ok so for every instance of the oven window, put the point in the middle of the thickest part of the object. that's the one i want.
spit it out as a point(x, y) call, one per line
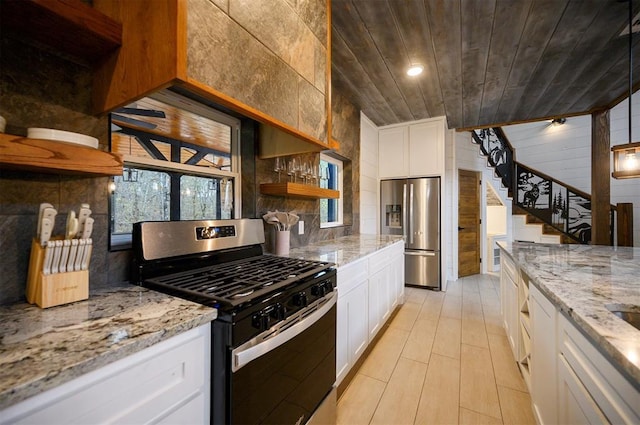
point(182, 162)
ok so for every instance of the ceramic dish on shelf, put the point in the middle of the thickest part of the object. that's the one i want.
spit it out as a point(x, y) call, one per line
point(62, 136)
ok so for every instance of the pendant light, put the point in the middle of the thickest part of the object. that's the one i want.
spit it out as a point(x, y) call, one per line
point(626, 158)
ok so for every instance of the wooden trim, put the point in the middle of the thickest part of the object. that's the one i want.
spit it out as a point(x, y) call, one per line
point(48, 156)
point(625, 224)
point(181, 39)
point(600, 179)
point(298, 190)
point(502, 124)
point(328, 89)
point(149, 58)
point(227, 101)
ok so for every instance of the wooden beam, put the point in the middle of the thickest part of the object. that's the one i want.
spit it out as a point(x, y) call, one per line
point(625, 224)
point(600, 179)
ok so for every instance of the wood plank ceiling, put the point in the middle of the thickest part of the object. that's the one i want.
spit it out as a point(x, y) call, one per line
point(487, 62)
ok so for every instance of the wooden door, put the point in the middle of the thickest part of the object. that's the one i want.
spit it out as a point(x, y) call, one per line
point(468, 223)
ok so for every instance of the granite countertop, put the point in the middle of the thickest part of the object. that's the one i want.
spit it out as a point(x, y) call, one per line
point(43, 348)
point(581, 280)
point(344, 250)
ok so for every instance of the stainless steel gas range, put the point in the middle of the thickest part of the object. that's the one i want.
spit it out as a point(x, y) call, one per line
point(273, 343)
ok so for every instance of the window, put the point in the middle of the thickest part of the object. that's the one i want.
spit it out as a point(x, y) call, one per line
point(181, 163)
point(331, 177)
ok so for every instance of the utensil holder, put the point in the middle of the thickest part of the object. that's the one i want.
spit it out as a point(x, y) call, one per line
point(282, 242)
point(49, 290)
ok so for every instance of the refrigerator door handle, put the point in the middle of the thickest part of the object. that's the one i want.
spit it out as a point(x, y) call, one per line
point(404, 209)
point(410, 221)
point(421, 254)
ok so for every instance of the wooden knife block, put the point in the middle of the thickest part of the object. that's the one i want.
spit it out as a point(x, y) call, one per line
point(49, 290)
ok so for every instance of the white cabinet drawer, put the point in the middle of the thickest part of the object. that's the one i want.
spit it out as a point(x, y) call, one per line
point(380, 260)
point(351, 275)
point(618, 400)
point(168, 381)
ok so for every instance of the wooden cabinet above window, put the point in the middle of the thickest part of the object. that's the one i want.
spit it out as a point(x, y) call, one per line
point(264, 59)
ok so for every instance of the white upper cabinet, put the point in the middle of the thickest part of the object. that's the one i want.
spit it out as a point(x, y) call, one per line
point(393, 152)
point(412, 150)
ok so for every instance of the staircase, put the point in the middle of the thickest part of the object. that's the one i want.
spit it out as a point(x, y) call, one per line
point(544, 209)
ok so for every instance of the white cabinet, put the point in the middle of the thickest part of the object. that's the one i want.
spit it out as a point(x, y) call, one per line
point(166, 383)
point(412, 150)
point(509, 301)
point(369, 289)
point(352, 333)
point(589, 384)
point(386, 285)
point(393, 152)
point(570, 380)
point(543, 358)
point(426, 148)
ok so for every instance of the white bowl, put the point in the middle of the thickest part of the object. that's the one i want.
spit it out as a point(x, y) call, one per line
point(62, 136)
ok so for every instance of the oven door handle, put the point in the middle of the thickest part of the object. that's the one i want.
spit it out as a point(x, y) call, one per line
point(253, 349)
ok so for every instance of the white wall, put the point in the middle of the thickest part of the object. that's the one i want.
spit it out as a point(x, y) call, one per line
point(564, 152)
point(496, 220)
point(369, 186)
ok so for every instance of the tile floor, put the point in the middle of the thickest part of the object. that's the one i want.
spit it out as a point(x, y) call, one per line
point(444, 359)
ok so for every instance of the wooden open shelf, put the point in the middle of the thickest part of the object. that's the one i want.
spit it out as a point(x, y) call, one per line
point(297, 190)
point(69, 26)
point(48, 156)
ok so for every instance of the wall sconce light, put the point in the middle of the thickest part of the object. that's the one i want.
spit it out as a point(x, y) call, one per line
point(558, 121)
point(626, 158)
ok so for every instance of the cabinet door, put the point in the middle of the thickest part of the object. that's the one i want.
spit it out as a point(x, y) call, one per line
point(511, 320)
point(543, 357)
point(352, 333)
point(358, 323)
point(426, 149)
point(342, 338)
point(575, 405)
point(375, 311)
point(167, 382)
point(393, 150)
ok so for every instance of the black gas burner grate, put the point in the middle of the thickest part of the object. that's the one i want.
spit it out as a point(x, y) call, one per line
point(239, 281)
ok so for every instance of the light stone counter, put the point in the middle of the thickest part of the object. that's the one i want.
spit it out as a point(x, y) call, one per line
point(581, 280)
point(344, 250)
point(43, 348)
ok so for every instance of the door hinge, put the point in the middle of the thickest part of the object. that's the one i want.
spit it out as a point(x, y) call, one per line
point(480, 260)
point(480, 221)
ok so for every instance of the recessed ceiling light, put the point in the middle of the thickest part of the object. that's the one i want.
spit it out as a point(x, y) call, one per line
point(415, 70)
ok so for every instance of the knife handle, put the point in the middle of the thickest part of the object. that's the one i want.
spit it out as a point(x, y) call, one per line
point(57, 252)
point(64, 257)
point(48, 256)
point(82, 243)
point(86, 255)
point(73, 252)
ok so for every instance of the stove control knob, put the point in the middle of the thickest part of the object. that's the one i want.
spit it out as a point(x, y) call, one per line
point(261, 321)
point(328, 286)
point(319, 290)
point(300, 299)
point(278, 312)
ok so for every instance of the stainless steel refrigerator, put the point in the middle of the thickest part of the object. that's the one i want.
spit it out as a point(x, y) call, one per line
point(411, 208)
